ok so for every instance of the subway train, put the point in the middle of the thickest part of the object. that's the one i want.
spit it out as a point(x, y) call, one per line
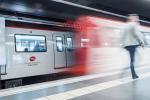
point(31, 52)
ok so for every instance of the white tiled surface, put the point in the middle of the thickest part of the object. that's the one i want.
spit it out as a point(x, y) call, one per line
point(94, 88)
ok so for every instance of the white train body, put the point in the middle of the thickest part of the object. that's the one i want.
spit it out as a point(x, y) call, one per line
point(19, 64)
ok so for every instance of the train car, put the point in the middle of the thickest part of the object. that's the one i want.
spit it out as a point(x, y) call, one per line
point(31, 53)
point(100, 45)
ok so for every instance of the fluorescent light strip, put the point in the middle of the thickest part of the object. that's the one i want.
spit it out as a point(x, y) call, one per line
point(86, 7)
point(92, 9)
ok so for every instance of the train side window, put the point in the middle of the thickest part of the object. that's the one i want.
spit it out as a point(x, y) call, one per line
point(30, 43)
point(69, 44)
point(146, 38)
point(59, 44)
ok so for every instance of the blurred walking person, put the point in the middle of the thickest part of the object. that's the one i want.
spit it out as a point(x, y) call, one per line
point(132, 38)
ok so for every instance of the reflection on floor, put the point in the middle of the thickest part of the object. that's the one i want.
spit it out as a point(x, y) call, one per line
point(115, 85)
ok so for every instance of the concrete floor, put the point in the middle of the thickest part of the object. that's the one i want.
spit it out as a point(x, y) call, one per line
point(118, 86)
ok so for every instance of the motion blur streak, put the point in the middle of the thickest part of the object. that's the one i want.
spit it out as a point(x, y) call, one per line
point(86, 36)
point(98, 46)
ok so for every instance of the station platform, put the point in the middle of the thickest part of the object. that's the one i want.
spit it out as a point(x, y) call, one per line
point(112, 85)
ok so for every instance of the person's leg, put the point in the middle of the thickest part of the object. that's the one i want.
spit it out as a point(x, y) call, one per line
point(132, 50)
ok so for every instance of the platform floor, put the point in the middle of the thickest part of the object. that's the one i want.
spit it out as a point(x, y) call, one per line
point(114, 85)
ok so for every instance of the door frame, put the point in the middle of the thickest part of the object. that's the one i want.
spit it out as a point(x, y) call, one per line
point(54, 46)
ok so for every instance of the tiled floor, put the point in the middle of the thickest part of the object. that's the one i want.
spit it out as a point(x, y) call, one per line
point(115, 86)
point(136, 90)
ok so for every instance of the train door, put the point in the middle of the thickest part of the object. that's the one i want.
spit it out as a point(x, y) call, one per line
point(59, 50)
point(69, 49)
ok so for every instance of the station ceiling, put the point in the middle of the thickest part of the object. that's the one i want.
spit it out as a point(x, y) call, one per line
point(52, 8)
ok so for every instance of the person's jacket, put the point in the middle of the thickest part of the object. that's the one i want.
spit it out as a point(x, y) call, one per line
point(131, 35)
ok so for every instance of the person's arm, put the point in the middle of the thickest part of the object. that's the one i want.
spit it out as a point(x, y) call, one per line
point(138, 35)
point(122, 36)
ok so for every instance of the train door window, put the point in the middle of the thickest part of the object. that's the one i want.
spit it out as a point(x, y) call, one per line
point(84, 42)
point(59, 44)
point(146, 38)
point(69, 44)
